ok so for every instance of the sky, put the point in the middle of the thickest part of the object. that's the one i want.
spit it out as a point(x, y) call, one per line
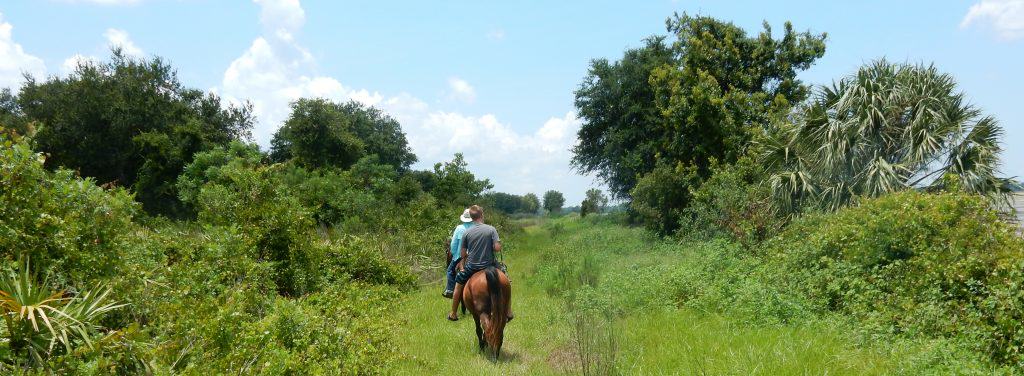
point(492, 80)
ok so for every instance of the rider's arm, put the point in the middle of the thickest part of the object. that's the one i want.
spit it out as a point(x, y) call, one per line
point(464, 251)
point(496, 240)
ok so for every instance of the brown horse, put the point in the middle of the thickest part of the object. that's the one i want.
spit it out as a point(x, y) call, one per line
point(488, 295)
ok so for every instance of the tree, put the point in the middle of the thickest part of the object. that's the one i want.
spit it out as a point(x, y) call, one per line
point(531, 203)
point(320, 133)
point(620, 121)
point(453, 183)
point(12, 119)
point(129, 122)
point(505, 202)
point(887, 128)
point(594, 202)
point(701, 98)
point(553, 201)
point(661, 196)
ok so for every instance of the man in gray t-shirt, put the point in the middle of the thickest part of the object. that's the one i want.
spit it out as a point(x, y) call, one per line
point(480, 243)
point(478, 246)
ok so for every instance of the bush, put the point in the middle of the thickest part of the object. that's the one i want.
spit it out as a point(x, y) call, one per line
point(915, 264)
point(67, 226)
point(732, 203)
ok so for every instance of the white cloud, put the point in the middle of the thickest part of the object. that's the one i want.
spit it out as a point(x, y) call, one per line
point(1006, 17)
point(496, 34)
point(14, 61)
point(461, 90)
point(281, 17)
point(276, 70)
point(120, 38)
point(71, 63)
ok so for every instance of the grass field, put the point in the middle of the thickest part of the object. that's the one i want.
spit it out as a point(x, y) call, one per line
point(652, 339)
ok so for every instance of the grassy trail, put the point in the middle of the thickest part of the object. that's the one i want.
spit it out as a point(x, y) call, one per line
point(657, 341)
point(433, 345)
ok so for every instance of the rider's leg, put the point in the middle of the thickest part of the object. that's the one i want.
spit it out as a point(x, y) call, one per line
point(450, 285)
point(456, 299)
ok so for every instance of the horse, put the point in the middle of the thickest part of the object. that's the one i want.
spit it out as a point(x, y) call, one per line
point(488, 295)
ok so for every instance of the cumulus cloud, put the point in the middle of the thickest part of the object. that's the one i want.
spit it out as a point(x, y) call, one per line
point(276, 70)
point(14, 61)
point(72, 63)
point(120, 38)
point(281, 16)
point(461, 90)
point(1005, 17)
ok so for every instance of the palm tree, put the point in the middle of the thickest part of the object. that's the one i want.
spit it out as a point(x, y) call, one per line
point(887, 128)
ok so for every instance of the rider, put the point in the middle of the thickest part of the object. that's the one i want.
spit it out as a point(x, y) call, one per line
point(456, 251)
point(479, 244)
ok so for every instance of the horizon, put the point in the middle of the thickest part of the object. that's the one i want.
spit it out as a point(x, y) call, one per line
point(493, 82)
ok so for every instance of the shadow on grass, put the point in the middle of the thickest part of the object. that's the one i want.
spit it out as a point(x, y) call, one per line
point(505, 357)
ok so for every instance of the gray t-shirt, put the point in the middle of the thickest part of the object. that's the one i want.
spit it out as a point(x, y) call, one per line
point(479, 242)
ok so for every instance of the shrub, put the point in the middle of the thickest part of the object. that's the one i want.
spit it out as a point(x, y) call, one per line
point(732, 203)
point(916, 264)
point(67, 226)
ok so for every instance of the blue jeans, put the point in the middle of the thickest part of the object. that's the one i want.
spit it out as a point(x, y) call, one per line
point(451, 275)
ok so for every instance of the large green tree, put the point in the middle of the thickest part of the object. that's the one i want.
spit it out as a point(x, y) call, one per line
point(886, 128)
point(531, 203)
point(321, 133)
point(129, 122)
point(677, 104)
point(594, 202)
point(453, 183)
point(553, 201)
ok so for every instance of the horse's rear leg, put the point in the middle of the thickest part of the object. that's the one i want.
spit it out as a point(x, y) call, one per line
point(479, 333)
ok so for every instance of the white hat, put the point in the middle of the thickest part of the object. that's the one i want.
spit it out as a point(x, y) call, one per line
point(465, 216)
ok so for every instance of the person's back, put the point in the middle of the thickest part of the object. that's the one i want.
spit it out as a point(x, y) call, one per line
point(479, 243)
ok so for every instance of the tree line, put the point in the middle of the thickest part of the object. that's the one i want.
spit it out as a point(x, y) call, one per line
point(662, 120)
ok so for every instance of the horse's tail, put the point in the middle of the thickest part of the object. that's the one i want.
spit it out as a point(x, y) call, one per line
point(494, 290)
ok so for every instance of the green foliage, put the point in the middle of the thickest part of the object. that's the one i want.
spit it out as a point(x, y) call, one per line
point(320, 133)
point(129, 123)
point(452, 182)
point(215, 308)
point(914, 264)
point(620, 121)
point(660, 197)
point(37, 319)
point(735, 203)
point(511, 204)
point(594, 203)
point(553, 201)
point(12, 119)
point(687, 102)
point(212, 166)
point(66, 225)
point(531, 203)
point(887, 128)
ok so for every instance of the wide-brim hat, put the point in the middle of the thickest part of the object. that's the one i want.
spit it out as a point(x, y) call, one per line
point(465, 216)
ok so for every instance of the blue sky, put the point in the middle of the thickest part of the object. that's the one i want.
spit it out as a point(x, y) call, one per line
point(492, 80)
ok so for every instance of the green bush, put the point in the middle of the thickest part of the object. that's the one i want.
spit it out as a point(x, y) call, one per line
point(67, 226)
point(732, 203)
point(915, 264)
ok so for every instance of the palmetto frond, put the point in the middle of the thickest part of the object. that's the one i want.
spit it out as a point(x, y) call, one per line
point(37, 318)
point(886, 128)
